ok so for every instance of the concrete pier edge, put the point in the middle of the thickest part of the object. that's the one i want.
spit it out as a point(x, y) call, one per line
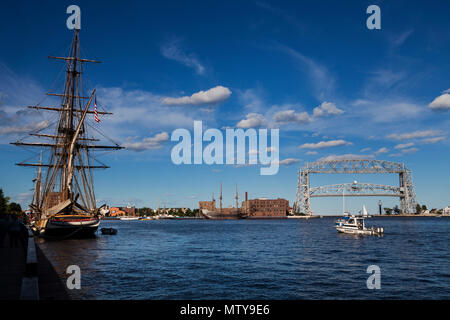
point(40, 280)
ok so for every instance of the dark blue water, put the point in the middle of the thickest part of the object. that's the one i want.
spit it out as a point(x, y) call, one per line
point(264, 259)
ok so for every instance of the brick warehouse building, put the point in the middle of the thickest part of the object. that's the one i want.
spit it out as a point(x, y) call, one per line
point(122, 211)
point(266, 207)
point(208, 205)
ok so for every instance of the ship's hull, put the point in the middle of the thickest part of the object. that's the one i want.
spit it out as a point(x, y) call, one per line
point(70, 227)
point(217, 215)
point(355, 231)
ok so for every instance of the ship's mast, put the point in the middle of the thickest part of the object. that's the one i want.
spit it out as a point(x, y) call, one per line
point(37, 186)
point(72, 77)
point(69, 166)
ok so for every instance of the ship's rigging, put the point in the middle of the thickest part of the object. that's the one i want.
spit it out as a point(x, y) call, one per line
point(67, 186)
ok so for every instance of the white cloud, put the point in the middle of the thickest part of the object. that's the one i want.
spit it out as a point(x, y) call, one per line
point(366, 149)
point(390, 111)
point(25, 128)
point(398, 154)
point(148, 143)
point(404, 145)
point(325, 144)
point(323, 82)
point(311, 153)
point(382, 150)
point(251, 100)
point(17, 92)
point(414, 135)
point(410, 150)
point(432, 140)
point(288, 162)
point(326, 108)
point(137, 110)
point(361, 102)
point(211, 96)
point(398, 39)
point(382, 80)
point(287, 116)
point(348, 156)
point(441, 103)
point(285, 14)
point(172, 50)
point(253, 120)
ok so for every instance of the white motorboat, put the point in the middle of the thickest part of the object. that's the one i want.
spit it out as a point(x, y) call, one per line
point(356, 225)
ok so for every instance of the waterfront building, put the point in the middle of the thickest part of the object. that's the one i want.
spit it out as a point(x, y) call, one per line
point(208, 205)
point(122, 211)
point(116, 212)
point(263, 207)
point(130, 211)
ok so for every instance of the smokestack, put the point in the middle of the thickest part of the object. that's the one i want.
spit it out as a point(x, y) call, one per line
point(220, 197)
point(237, 198)
point(246, 201)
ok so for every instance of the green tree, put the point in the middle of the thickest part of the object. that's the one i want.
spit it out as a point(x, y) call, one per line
point(424, 207)
point(195, 212)
point(388, 211)
point(3, 203)
point(418, 209)
point(396, 210)
point(14, 208)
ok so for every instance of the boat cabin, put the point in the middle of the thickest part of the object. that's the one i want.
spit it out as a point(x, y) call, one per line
point(352, 222)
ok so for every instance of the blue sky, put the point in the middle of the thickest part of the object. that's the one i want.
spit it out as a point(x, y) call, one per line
point(311, 68)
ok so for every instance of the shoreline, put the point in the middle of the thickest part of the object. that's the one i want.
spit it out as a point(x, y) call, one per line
point(392, 216)
point(306, 217)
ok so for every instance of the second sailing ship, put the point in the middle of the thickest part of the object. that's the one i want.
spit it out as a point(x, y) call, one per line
point(223, 213)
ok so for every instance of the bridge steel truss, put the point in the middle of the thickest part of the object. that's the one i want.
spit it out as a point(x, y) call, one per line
point(405, 190)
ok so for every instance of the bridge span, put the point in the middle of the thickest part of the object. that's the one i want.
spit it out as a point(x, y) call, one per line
point(405, 190)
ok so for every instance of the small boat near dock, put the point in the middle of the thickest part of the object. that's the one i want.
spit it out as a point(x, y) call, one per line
point(109, 231)
point(356, 225)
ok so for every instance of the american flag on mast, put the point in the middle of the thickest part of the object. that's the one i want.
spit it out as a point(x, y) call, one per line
point(95, 110)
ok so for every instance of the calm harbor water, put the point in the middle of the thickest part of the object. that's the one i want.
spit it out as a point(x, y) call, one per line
point(258, 259)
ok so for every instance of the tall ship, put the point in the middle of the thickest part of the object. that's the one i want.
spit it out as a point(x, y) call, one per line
point(64, 204)
point(221, 213)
